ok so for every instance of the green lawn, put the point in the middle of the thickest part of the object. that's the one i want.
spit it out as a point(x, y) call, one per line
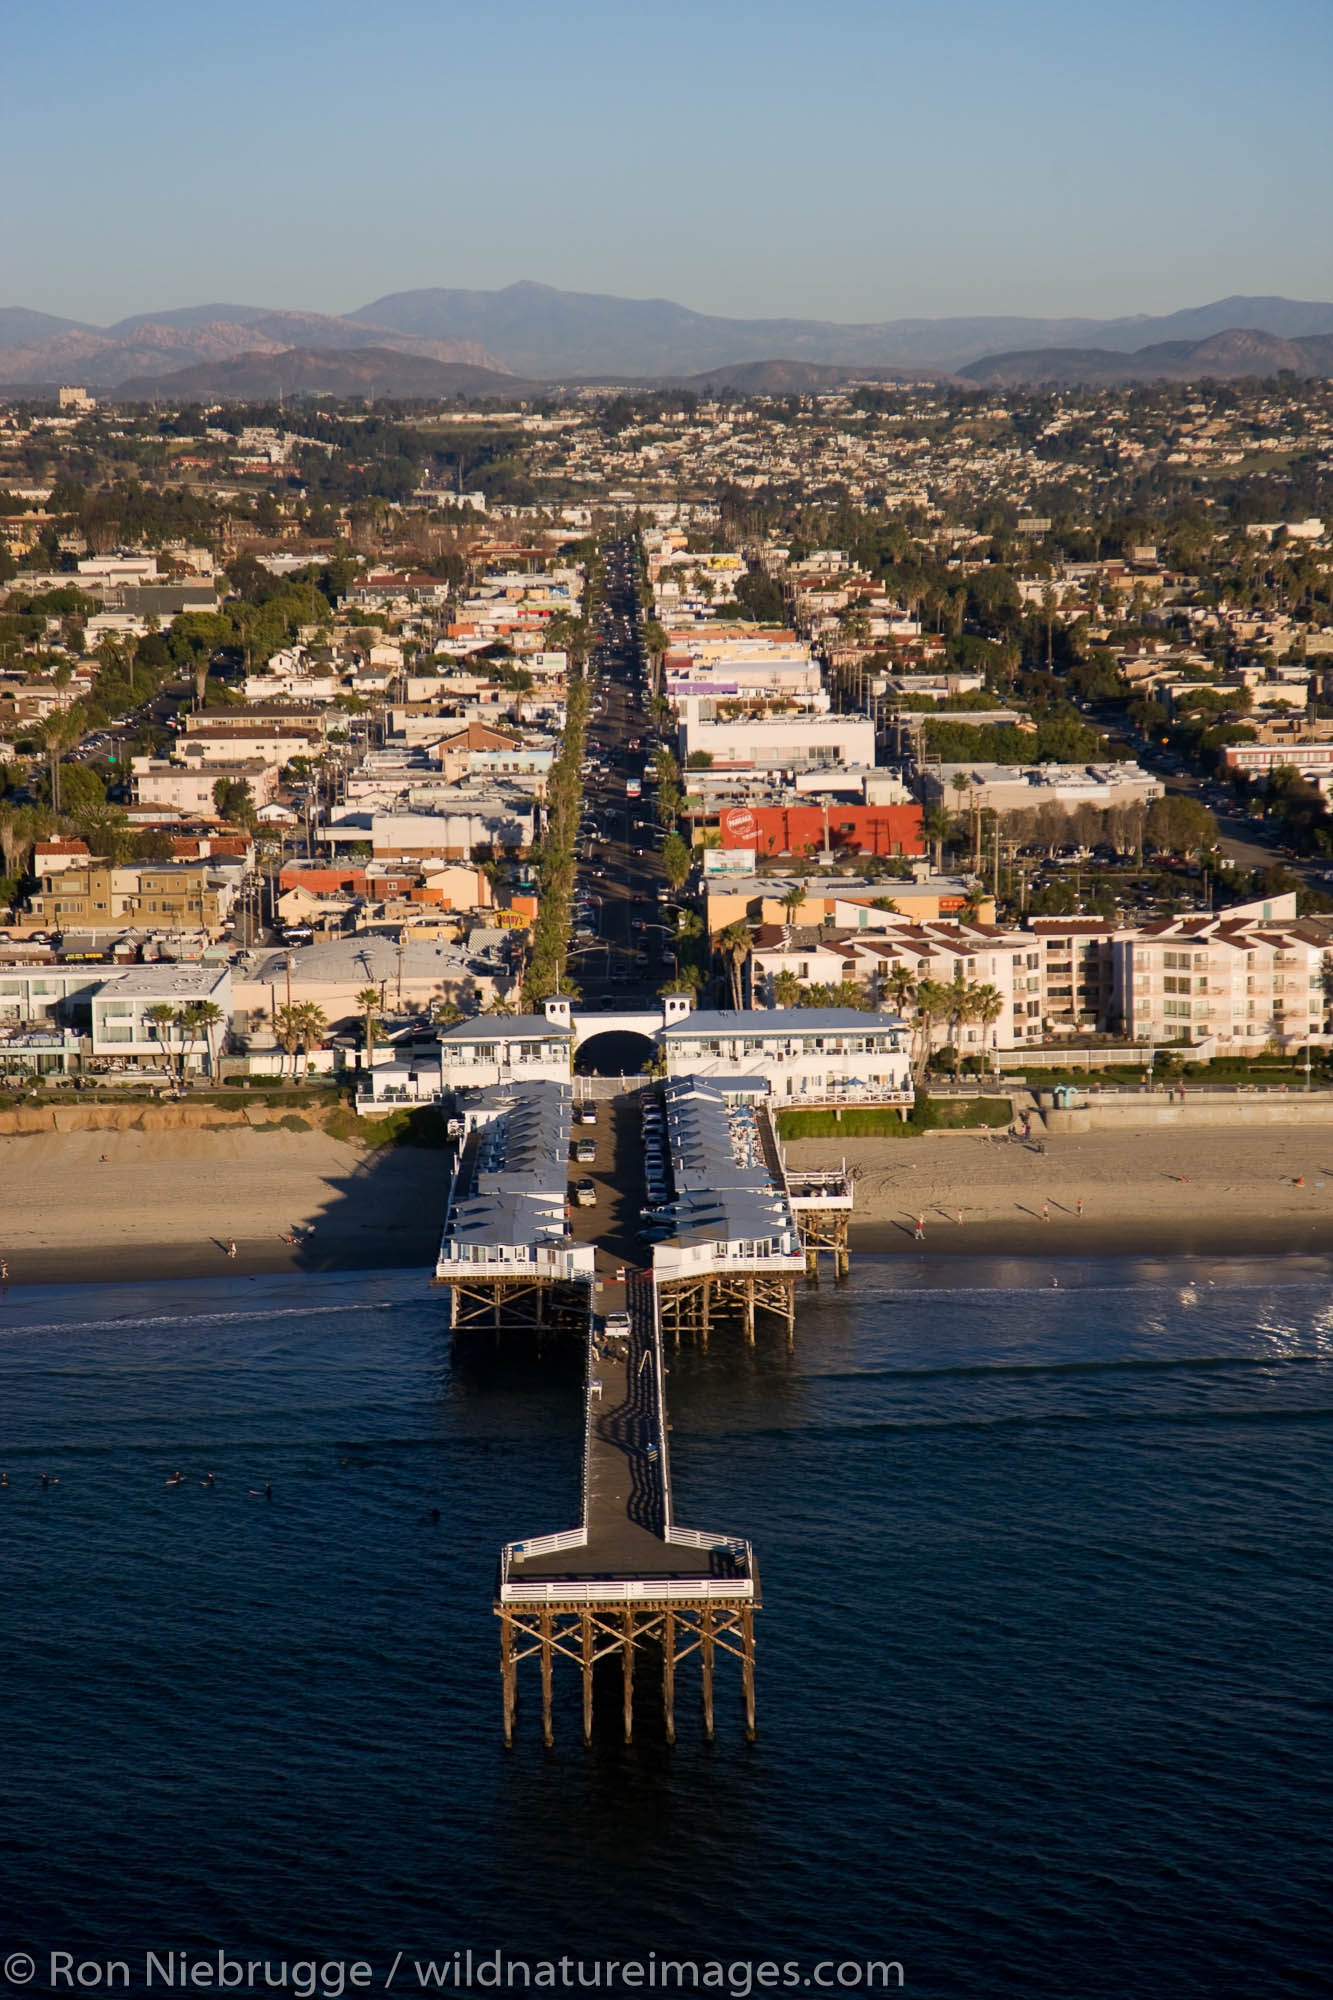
point(866, 1122)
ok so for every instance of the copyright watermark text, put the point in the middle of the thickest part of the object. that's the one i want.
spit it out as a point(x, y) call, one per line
point(314, 1978)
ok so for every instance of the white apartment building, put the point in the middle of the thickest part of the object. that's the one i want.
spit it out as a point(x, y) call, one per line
point(189, 788)
point(1251, 976)
point(818, 1055)
point(122, 1029)
point(1235, 984)
point(776, 742)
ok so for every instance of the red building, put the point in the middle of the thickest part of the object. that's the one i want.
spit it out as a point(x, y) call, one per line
point(806, 829)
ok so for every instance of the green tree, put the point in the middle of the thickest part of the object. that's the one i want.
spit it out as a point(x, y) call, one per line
point(82, 793)
point(676, 860)
point(288, 1029)
point(368, 1000)
point(163, 1020)
point(312, 1027)
point(937, 826)
point(932, 1001)
point(234, 802)
point(60, 732)
point(733, 948)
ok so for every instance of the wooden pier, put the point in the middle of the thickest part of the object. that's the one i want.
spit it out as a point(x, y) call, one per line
point(643, 1611)
point(628, 1585)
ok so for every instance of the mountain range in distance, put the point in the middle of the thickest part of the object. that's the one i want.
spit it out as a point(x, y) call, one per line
point(512, 341)
point(1237, 351)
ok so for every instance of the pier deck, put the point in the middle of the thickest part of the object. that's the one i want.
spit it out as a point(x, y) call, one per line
point(627, 1582)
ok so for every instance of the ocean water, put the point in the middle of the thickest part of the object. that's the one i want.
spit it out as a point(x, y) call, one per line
point(1045, 1662)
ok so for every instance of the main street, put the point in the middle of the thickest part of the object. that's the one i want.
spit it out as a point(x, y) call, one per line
point(622, 940)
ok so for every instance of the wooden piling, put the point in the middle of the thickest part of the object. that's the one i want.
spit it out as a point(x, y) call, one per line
point(507, 1677)
point(548, 1733)
point(706, 1650)
point(629, 1675)
point(669, 1673)
point(747, 1669)
point(587, 1676)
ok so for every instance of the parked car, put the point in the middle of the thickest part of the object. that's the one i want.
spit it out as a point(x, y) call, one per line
point(585, 1152)
point(586, 1114)
point(616, 1326)
point(585, 1193)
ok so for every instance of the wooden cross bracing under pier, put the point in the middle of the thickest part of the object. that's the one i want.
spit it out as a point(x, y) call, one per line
point(673, 1630)
point(515, 1305)
point(824, 1233)
point(690, 1306)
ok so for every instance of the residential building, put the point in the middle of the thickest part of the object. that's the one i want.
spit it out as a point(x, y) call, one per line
point(190, 788)
point(1012, 788)
point(159, 895)
point(819, 1055)
point(122, 1027)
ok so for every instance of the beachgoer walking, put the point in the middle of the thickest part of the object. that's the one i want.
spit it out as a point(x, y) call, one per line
point(1078, 1206)
point(231, 1249)
point(921, 1229)
point(1046, 1211)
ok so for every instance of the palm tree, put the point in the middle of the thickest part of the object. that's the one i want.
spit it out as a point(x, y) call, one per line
point(209, 1017)
point(786, 989)
point(987, 1006)
point(60, 732)
point(902, 985)
point(287, 1028)
point(933, 1001)
point(793, 900)
point(368, 1000)
point(676, 859)
point(197, 1021)
point(163, 1018)
point(733, 948)
point(313, 1026)
point(936, 825)
point(960, 1006)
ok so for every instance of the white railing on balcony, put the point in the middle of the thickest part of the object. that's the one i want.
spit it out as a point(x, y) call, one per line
point(627, 1590)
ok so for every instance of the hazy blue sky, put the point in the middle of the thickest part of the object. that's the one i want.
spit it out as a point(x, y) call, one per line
point(850, 159)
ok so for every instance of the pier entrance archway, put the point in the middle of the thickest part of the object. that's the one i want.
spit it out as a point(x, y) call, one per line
point(613, 1051)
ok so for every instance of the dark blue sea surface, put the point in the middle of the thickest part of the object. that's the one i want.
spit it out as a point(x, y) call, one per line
point(1045, 1660)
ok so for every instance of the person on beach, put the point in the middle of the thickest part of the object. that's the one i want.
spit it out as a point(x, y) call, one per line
point(231, 1249)
point(1046, 1211)
point(921, 1229)
point(1078, 1206)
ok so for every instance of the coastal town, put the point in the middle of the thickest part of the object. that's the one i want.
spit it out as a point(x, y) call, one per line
point(666, 1003)
point(927, 761)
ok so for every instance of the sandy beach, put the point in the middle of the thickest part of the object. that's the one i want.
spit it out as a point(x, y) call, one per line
point(103, 1206)
point(1213, 1193)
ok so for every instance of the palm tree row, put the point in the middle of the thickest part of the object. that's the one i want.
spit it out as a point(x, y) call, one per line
point(956, 1001)
point(301, 1026)
point(556, 865)
point(198, 1020)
